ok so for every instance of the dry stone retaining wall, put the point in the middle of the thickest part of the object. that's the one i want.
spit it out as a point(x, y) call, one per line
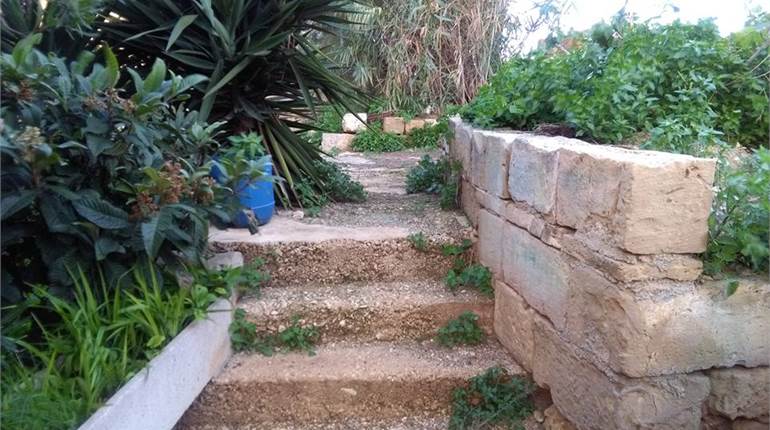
point(598, 287)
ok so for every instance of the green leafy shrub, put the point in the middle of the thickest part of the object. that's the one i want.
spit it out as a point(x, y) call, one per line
point(463, 330)
point(435, 177)
point(264, 70)
point(87, 347)
point(431, 136)
point(93, 175)
point(373, 139)
point(683, 88)
point(473, 276)
point(738, 226)
point(494, 397)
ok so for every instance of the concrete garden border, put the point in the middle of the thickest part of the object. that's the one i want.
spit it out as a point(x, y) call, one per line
point(158, 395)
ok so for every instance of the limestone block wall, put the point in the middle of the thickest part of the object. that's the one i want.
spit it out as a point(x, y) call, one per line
point(598, 287)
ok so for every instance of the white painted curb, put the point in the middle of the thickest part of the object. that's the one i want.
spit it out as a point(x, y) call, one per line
point(158, 396)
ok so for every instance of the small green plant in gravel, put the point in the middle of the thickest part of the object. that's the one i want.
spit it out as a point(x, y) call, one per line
point(418, 241)
point(473, 276)
point(296, 337)
point(373, 139)
point(435, 177)
point(463, 330)
point(492, 398)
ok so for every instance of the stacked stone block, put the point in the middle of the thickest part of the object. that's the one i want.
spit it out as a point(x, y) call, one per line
point(598, 289)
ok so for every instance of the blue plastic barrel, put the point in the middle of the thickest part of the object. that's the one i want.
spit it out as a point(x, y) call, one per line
point(255, 194)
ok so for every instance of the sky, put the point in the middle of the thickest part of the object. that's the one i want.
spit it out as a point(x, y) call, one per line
point(730, 15)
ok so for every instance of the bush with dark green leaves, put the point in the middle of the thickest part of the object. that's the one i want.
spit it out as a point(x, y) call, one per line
point(97, 177)
point(334, 185)
point(492, 398)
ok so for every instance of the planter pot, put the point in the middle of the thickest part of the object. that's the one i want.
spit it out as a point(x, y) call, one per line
point(158, 395)
point(254, 195)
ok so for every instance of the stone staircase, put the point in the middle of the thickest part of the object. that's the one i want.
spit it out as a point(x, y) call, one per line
point(377, 303)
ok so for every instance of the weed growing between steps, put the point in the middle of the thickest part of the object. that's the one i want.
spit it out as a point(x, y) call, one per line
point(245, 280)
point(463, 273)
point(418, 241)
point(244, 337)
point(430, 136)
point(335, 186)
point(492, 398)
point(436, 177)
point(463, 330)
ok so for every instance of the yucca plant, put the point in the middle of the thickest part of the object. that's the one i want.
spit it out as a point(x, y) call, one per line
point(265, 73)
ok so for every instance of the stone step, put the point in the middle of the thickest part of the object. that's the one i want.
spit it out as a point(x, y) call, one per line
point(383, 311)
point(342, 381)
point(403, 423)
point(351, 242)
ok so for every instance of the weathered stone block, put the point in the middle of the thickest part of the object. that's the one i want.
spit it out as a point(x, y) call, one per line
point(498, 156)
point(739, 392)
point(594, 399)
point(469, 203)
point(538, 272)
point(513, 325)
point(663, 327)
point(478, 160)
point(413, 124)
point(490, 241)
point(490, 202)
point(393, 124)
point(338, 141)
point(354, 123)
point(590, 246)
point(532, 172)
point(460, 148)
point(654, 202)
point(665, 205)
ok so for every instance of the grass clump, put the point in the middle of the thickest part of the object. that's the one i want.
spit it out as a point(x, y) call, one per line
point(492, 398)
point(62, 358)
point(373, 139)
point(463, 330)
point(245, 337)
point(435, 177)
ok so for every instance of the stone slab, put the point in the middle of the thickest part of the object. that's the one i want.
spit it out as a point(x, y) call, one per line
point(592, 398)
point(354, 123)
point(740, 392)
point(513, 325)
point(665, 327)
point(533, 171)
point(538, 272)
point(393, 124)
point(337, 141)
point(490, 241)
point(413, 124)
